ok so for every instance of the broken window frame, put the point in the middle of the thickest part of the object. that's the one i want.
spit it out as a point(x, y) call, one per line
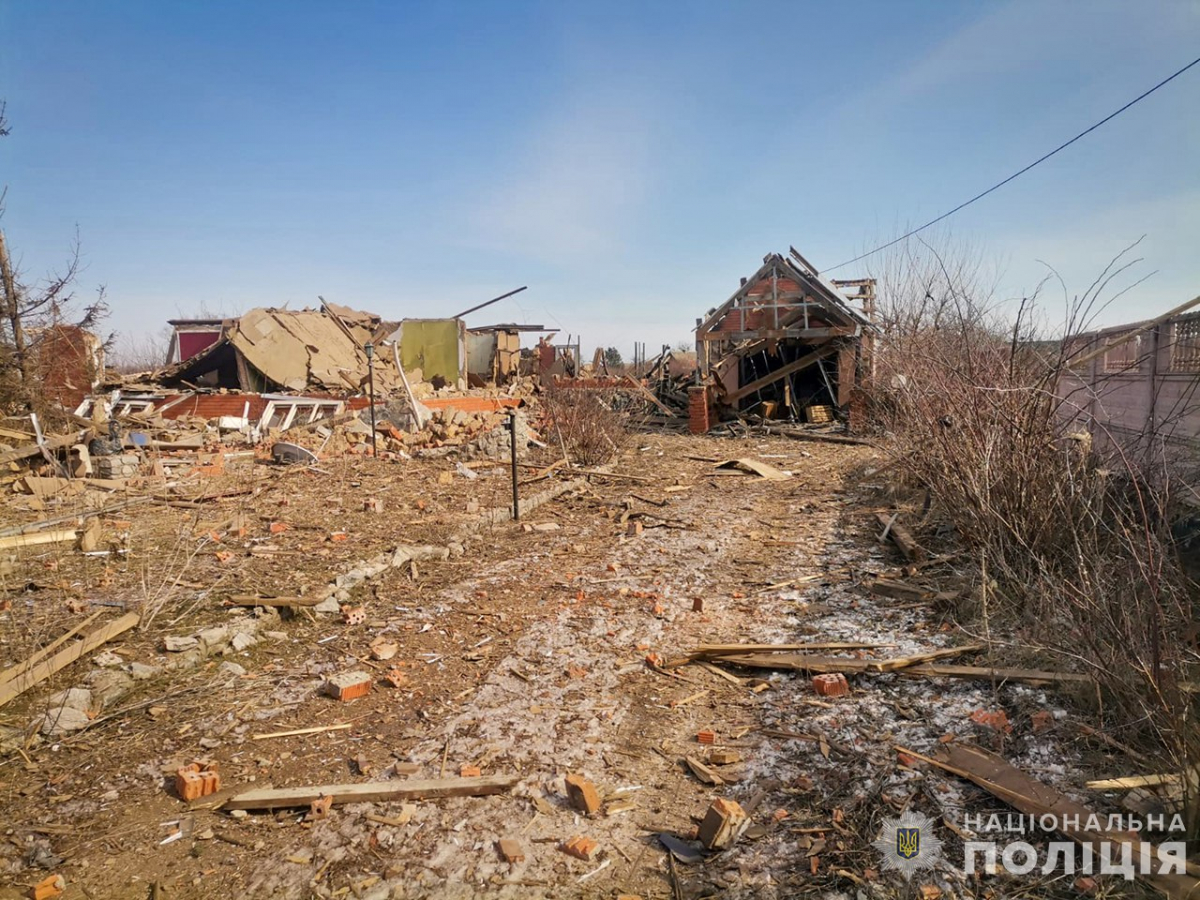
point(292, 411)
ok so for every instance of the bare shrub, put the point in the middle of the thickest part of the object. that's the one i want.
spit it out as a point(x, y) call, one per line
point(588, 424)
point(1072, 543)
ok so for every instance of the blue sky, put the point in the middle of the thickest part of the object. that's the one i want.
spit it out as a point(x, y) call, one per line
point(627, 161)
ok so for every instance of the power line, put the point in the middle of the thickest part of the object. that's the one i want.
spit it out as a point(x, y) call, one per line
point(1036, 162)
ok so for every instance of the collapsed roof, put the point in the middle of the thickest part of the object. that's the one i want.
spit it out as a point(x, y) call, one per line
point(291, 350)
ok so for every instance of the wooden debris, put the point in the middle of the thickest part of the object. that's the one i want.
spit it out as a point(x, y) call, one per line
point(255, 600)
point(901, 537)
point(299, 731)
point(12, 672)
point(1134, 781)
point(372, 792)
point(703, 772)
point(42, 670)
point(754, 467)
point(1028, 795)
point(722, 824)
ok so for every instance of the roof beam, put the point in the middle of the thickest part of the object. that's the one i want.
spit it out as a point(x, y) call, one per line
point(803, 362)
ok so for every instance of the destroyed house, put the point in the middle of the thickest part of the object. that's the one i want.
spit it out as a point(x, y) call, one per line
point(290, 350)
point(786, 344)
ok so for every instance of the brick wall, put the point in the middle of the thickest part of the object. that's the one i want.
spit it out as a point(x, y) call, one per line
point(699, 415)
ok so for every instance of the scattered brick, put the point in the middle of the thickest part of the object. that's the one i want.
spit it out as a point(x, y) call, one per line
point(996, 719)
point(49, 887)
point(373, 505)
point(634, 529)
point(833, 685)
point(354, 615)
point(470, 772)
point(197, 780)
point(698, 604)
point(706, 736)
point(279, 527)
point(583, 794)
point(321, 806)
point(905, 760)
point(396, 677)
point(721, 824)
point(580, 847)
point(724, 757)
point(510, 850)
point(348, 686)
point(1042, 720)
point(337, 536)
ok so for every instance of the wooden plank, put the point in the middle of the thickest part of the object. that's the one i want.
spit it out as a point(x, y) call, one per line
point(1028, 795)
point(56, 536)
point(802, 662)
point(57, 442)
point(1131, 782)
point(903, 662)
point(1034, 677)
point(66, 656)
point(372, 792)
point(13, 671)
point(645, 392)
point(782, 372)
point(252, 600)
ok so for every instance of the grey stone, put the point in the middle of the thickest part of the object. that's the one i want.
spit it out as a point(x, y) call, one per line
point(173, 644)
point(141, 671)
point(73, 698)
point(243, 640)
point(64, 720)
point(232, 668)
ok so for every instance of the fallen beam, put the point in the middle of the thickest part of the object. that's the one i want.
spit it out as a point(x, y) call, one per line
point(820, 437)
point(372, 792)
point(803, 362)
point(901, 537)
point(64, 657)
point(10, 673)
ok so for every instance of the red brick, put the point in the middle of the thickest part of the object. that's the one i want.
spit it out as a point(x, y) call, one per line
point(470, 772)
point(580, 847)
point(49, 887)
point(583, 794)
point(510, 850)
point(348, 686)
point(355, 615)
point(279, 527)
point(832, 685)
point(706, 737)
point(197, 780)
point(1042, 720)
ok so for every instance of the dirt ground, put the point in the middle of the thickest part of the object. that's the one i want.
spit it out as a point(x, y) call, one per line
point(524, 655)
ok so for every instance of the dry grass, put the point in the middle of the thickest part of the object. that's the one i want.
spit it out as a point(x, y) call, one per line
point(589, 425)
point(1071, 548)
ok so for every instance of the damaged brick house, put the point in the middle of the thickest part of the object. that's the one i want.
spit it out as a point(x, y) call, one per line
point(787, 342)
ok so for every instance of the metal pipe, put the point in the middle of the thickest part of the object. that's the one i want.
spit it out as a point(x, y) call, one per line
point(467, 312)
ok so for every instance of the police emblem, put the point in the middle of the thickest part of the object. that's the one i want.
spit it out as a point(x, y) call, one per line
point(908, 844)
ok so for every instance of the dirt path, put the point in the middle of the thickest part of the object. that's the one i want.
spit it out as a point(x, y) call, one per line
point(527, 656)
